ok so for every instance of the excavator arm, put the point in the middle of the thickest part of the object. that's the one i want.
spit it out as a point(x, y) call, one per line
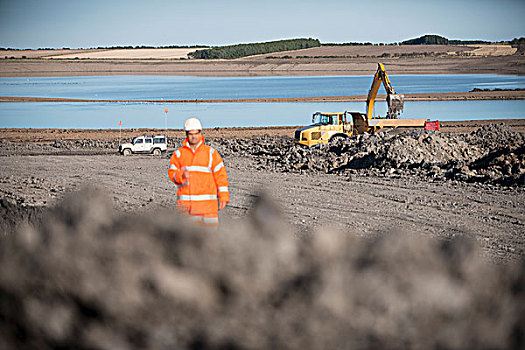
point(395, 101)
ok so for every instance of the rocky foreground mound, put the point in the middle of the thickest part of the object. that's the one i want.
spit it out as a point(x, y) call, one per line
point(88, 278)
point(492, 154)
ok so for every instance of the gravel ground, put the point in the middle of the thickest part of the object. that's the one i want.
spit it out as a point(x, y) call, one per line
point(438, 185)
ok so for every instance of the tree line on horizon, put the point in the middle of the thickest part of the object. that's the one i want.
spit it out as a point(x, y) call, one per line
point(243, 50)
point(432, 39)
point(429, 39)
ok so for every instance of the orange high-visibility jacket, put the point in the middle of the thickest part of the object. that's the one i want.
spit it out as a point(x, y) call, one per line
point(208, 179)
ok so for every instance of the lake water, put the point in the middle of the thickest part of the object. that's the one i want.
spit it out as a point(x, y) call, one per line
point(139, 87)
point(151, 115)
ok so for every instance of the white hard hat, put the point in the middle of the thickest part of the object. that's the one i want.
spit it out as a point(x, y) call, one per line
point(192, 124)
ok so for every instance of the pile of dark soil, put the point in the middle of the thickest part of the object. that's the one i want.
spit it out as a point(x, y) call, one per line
point(491, 154)
point(90, 278)
point(58, 147)
point(101, 144)
point(68, 147)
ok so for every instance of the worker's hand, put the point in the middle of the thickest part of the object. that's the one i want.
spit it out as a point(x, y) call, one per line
point(222, 205)
point(185, 174)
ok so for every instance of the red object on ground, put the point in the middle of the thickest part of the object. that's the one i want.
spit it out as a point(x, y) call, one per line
point(432, 125)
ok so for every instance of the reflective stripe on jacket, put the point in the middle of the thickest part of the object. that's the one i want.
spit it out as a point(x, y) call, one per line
point(208, 179)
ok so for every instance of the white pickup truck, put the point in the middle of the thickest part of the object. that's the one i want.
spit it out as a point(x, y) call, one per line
point(145, 144)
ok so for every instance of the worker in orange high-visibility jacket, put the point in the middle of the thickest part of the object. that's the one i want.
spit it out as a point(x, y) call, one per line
point(199, 173)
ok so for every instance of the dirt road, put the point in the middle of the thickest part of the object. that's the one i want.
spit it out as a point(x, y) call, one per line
point(366, 204)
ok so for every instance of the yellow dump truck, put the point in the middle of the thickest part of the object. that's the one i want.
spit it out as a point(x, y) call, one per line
point(329, 126)
point(326, 127)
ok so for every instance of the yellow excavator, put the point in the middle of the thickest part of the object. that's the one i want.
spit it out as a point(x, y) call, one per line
point(327, 127)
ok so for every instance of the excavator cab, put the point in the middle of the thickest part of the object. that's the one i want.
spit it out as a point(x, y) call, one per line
point(324, 118)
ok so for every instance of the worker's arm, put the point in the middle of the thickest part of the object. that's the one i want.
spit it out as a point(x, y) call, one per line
point(221, 179)
point(176, 172)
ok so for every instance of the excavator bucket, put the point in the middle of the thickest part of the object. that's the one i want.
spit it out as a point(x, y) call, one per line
point(395, 105)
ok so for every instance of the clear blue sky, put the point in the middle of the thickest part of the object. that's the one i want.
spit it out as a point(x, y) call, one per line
point(92, 23)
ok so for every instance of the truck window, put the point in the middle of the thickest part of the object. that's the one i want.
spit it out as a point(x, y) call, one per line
point(159, 140)
point(148, 141)
point(326, 120)
point(139, 141)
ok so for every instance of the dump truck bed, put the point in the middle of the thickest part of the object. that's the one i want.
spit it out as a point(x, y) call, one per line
point(392, 123)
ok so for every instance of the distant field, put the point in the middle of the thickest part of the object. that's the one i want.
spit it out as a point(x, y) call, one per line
point(494, 50)
point(131, 54)
point(101, 53)
point(325, 60)
point(315, 52)
point(377, 51)
point(38, 53)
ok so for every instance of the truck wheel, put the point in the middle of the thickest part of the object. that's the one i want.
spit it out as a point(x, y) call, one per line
point(126, 152)
point(337, 138)
point(156, 152)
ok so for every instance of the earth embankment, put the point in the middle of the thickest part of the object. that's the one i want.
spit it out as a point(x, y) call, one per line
point(32, 67)
point(500, 94)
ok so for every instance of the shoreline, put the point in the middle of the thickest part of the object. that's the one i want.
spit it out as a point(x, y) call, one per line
point(441, 96)
point(312, 66)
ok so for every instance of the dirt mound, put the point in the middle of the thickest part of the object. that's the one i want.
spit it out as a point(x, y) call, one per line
point(503, 156)
point(491, 154)
point(68, 147)
point(58, 147)
point(88, 277)
point(13, 213)
point(494, 137)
